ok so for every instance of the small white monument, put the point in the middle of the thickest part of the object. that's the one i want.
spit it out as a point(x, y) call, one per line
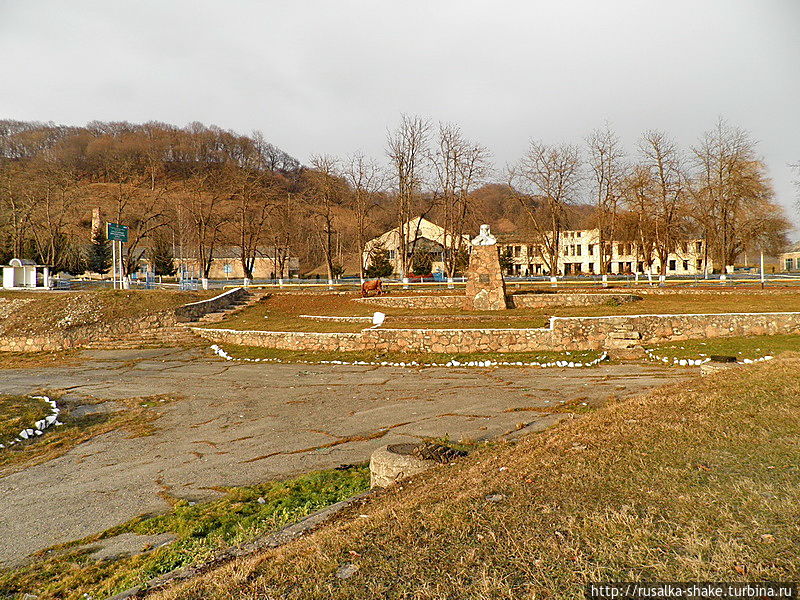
point(484, 238)
point(21, 273)
point(486, 288)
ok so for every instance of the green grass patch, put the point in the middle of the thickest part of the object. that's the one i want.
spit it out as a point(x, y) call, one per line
point(18, 413)
point(253, 352)
point(741, 347)
point(68, 571)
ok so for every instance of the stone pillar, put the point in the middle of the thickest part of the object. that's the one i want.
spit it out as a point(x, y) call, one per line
point(486, 288)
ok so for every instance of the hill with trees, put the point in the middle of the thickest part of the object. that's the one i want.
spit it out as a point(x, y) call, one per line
point(189, 191)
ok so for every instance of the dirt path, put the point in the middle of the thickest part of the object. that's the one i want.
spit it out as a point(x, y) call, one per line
point(246, 423)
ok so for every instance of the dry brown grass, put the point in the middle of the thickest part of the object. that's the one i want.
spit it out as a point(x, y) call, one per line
point(690, 483)
point(135, 418)
point(53, 312)
point(33, 360)
point(18, 413)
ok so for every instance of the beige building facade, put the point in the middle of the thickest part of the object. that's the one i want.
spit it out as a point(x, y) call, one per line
point(421, 236)
point(789, 261)
point(226, 264)
point(579, 254)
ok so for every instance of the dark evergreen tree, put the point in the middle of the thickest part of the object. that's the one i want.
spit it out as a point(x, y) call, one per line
point(162, 257)
point(98, 257)
point(379, 265)
point(422, 263)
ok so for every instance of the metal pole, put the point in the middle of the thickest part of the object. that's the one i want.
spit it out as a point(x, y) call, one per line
point(113, 264)
point(762, 268)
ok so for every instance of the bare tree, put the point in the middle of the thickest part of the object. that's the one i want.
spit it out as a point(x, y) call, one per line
point(665, 194)
point(607, 164)
point(551, 176)
point(206, 206)
point(366, 179)
point(54, 201)
point(459, 165)
point(324, 194)
point(730, 189)
point(282, 225)
point(18, 205)
point(637, 192)
point(406, 148)
point(253, 199)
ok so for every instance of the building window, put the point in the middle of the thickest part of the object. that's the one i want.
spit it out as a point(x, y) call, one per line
point(789, 264)
point(391, 254)
point(685, 247)
point(672, 265)
point(686, 265)
point(578, 249)
point(591, 249)
point(698, 247)
point(699, 264)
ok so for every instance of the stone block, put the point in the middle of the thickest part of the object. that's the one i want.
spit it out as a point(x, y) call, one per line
point(486, 288)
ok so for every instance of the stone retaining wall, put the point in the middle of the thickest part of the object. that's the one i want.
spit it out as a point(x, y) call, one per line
point(415, 302)
point(286, 340)
point(120, 329)
point(522, 300)
point(519, 300)
point(564, 333)
point(81, 336)
point(196, 310)
point(601, 332)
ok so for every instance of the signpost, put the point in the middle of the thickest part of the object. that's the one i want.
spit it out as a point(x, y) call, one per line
point(116, 234)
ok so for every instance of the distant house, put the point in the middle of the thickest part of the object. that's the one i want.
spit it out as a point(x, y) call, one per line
point(227, 264)
point(789, 261)
point(422, 236)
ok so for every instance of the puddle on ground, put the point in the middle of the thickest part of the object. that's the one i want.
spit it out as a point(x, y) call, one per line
point(101, 408)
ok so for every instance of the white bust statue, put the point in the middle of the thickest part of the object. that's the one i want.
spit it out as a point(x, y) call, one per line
point(485, 237)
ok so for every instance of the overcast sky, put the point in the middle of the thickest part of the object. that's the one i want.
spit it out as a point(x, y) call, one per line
point(332, 76)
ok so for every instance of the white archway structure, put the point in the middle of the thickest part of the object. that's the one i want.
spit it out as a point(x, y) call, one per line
point(21, 273)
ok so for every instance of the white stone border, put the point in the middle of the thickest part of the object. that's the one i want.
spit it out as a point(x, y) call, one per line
point(452, 363)
point(344, 319)
point(40, 425)
point(692, 362)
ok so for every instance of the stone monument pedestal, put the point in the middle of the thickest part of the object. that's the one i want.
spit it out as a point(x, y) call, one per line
point(486, 288)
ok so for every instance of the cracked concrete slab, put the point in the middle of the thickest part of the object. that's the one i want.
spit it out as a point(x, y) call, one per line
point(243, 423)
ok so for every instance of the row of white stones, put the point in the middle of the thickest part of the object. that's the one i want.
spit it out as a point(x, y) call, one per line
point(691, 362)
point(452, 363)
point(40, 425)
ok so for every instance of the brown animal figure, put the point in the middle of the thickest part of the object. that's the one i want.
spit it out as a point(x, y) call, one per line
point(375, 286)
